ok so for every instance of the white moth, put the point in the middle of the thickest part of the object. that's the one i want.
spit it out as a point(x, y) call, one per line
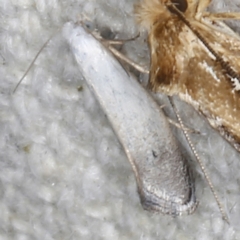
point(163, 178)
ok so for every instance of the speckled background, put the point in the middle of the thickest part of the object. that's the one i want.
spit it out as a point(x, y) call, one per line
point(63, 173)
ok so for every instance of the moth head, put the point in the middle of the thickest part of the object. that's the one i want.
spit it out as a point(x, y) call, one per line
point(148, 12)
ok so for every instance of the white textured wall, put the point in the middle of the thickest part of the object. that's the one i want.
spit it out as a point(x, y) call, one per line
point(63, 173)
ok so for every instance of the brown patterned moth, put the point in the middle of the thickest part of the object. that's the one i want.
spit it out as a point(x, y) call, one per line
point(196, 56)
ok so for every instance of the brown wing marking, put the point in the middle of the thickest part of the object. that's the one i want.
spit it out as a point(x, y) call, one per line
point(182, 65)
point(163, 41)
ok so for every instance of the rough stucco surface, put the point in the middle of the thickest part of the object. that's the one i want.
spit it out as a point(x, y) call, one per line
point(63, 173)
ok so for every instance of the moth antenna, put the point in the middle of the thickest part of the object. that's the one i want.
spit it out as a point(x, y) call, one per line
point(34, 60)
point(206, 175)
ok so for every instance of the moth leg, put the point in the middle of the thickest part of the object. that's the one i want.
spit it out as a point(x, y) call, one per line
point(114, 41)
point(121, 41)
point(177, 125)
point(109, 45)
point(222, 16)
point(122, 57)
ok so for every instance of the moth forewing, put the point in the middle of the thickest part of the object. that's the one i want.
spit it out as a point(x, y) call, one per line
point(194, 57)
point(163, 178)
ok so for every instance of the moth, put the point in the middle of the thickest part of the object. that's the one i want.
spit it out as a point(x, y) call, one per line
point(164, 180)
point(196, 56)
